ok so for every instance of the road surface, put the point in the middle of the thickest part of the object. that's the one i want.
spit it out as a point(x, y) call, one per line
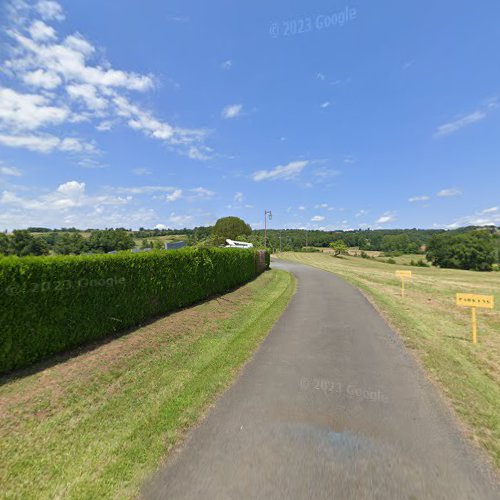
point(331, 406)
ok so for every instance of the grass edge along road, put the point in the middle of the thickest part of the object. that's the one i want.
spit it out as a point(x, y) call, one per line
point(438, 332)
point(99, 424)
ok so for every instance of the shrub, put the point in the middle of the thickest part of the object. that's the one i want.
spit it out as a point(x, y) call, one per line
point(390, 261)
point(50, 304)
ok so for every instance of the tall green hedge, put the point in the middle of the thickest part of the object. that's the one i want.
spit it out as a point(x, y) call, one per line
point(50, 304)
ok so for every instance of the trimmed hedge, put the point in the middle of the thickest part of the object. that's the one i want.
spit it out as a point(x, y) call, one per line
point(50, 304)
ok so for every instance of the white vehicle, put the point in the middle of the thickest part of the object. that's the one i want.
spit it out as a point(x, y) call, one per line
point(237, 244)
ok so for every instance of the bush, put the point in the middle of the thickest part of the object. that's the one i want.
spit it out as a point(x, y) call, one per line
point(390, 261)
point(474, 250)
point(50, 304)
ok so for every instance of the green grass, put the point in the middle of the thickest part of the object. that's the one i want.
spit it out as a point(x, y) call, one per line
point(97, 425)
point(438, 332)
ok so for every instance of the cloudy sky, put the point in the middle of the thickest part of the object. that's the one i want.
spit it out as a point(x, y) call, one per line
point(172, 114)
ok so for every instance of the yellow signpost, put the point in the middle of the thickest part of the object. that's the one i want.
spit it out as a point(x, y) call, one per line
point(403, 275)
point(473, 301)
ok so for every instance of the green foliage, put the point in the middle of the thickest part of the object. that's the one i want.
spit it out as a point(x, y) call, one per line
point(399, 243)
point(69, 243)
point(338, 247)
point(50, 304)
point(390, 261)
point(109, 240)
point(23, 243)
point(419, 263)
point(472, 250)
point(230, 227)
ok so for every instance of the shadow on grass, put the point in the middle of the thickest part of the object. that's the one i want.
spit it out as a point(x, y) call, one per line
point(74, 352)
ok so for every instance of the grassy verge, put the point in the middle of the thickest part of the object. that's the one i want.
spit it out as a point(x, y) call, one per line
point(439, 332)
point(97, 425)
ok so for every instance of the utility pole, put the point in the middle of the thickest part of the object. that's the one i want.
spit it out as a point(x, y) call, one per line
point(267, 213)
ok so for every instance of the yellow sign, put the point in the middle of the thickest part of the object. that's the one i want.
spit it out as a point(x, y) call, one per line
point(403, 274)
point(473, 300)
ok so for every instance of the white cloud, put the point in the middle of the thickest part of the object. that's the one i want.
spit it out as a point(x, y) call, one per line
point(200, 193)
point(317, 218)
point(50, 10)
point(175, 195)
point(302, 208)
point(238, 197)
point(361, 213)
point(285, 172)
point(232, 111)
point(46, 143)
point(459, 123)
point(325, 104)
point(43, 79)
point(413, 199)
point(10, 171)
point(41, 31)
point(226, 64)
point(82, 89)
point(487, 217)
point(70, 195)
point(449, 192)
point(385, 218)
point(28, 111)
point(161, 226)
point(320, 76)
point(88, 94)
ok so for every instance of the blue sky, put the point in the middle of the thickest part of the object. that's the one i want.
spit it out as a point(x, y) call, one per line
point(172, 114)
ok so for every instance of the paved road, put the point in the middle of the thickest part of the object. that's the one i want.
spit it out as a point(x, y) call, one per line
point(331, 406)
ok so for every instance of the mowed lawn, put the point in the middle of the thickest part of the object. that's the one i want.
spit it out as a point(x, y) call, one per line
point(438, 331)
point(98, 424)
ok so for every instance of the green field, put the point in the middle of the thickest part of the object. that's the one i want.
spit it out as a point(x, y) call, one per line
point(98, 424)
point(438, 332)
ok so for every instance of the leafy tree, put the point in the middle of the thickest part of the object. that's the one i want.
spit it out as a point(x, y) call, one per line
point(24, 243)
point(472, 250)
point(230, 227)
point(5, 244)
point(110, 239)
point(398, 243)
point(69, 243)
point(338, 247)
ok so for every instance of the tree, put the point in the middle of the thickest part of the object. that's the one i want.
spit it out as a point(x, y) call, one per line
point(5, 244)
point(24, 243)
point(110, 239)
point(473, 250)
point(69, 243)
point(338, 247)
point(230, 228)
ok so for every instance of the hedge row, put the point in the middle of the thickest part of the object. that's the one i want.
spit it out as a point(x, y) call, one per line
point(50, 304)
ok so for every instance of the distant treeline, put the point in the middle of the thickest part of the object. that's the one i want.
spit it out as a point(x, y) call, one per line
point(386, 240)
point(70, 240)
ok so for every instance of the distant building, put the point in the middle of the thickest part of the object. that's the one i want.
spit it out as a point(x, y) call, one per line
point(175, 245)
